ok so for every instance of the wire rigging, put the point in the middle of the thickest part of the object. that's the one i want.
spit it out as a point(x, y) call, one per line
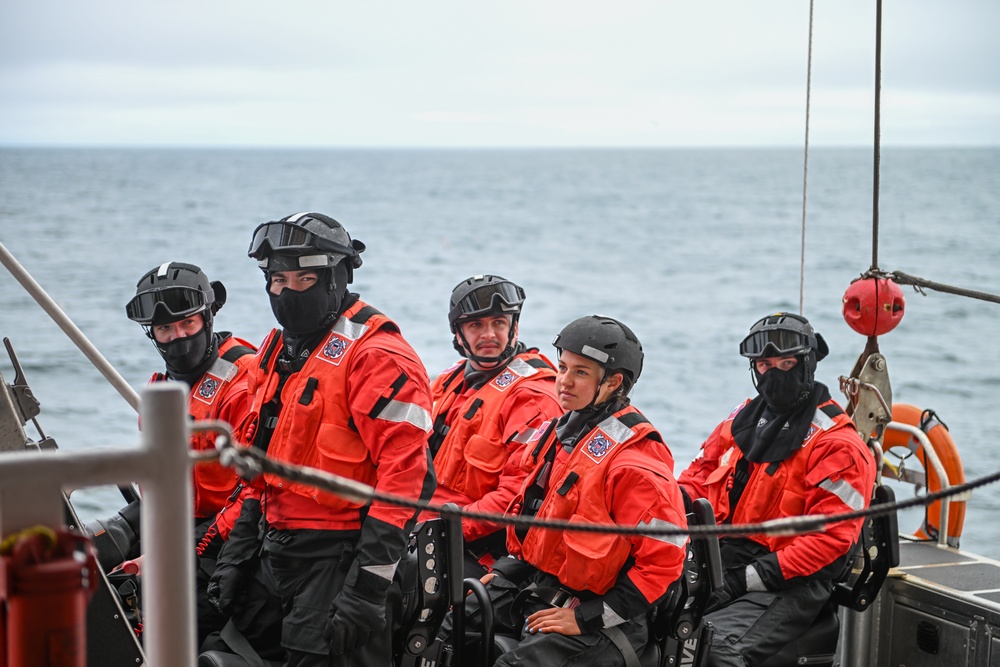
point(805, 165)
point(878, 132)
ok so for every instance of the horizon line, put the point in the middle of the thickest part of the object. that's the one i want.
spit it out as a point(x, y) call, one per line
point(301, 147)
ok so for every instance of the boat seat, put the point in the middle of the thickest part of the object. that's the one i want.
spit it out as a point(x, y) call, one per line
point(676, 631)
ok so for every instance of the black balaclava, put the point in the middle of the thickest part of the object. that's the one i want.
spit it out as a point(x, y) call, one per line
point(773, 425)
point(314, 309)
point(784, 391)
point(189, 357)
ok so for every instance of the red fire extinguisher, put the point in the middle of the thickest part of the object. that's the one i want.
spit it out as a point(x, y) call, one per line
point(46, 580)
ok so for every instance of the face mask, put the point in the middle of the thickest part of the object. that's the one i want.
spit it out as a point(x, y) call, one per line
point(184, 355)
point(303, 312)
point(783, 391)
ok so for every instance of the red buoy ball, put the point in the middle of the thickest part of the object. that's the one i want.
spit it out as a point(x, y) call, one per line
point(873, 306)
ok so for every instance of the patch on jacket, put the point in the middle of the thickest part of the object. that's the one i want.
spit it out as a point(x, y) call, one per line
point(335, 349)
point(504, 380)
point(208, 388)
point(598, 446)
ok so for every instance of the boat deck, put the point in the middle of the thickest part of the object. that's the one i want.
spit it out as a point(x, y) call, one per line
point(941, 606)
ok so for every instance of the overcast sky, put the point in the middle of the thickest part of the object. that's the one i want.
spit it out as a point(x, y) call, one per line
point(503, 73)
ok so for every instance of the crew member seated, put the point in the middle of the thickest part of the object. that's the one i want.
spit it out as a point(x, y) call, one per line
point(790, 451)
point(587, 596)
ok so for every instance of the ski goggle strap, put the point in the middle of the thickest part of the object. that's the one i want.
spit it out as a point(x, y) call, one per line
point(287, 237)
point(177, 301)
point(481, 300)
point(775, 343)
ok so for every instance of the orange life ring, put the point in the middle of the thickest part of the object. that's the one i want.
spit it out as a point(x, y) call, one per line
point(943, 444)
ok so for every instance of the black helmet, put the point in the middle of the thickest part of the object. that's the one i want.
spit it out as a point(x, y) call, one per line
point(484, 295)
point(782, 335)
point(480, 296)
point(173, 291)
point(608, 342)
point(304, 241)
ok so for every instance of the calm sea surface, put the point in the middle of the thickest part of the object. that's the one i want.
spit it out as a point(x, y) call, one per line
point(689, 247)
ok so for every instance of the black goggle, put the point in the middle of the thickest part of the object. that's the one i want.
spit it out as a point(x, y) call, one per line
point(482, 300)
point(286, 237)
point(775, 343)
point(178, 301)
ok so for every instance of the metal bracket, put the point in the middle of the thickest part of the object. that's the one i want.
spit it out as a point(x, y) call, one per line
point(871, 408)
point(25, 401)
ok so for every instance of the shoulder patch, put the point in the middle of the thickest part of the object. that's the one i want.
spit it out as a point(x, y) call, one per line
point(598, 446)
point(207, 389)
point(504, 380)
point(334, 350)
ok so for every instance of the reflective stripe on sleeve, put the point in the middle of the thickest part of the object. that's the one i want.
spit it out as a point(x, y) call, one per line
point(676, 540)
point(847, 493)
point(411, 413)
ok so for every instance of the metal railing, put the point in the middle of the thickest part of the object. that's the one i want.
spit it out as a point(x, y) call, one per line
point(932, 458)
point(31, 488)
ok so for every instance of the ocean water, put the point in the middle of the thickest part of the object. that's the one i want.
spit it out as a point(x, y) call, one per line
point(689, 247)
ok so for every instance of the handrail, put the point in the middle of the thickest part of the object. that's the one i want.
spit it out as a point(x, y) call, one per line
point(31, 487)
point(69, 328)
point(931, 455)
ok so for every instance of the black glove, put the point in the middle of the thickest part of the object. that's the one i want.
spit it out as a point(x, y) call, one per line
point(734, 582)
point(358, 612)
point(116, 539)
point(236, 560)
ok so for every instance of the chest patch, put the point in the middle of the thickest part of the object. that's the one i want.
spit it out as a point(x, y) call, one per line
point(598, 446)
point(335, 349)
point(208, 388)
point(504, 380)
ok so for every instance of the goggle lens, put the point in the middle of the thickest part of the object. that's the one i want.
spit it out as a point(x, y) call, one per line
point(280, 236)
point(481, 300)
point(774, 343)
point(177, 301)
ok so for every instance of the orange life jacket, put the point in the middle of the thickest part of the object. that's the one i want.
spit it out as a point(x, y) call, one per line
point(314, 426)
point(575, 492)
point(776, 490)
point(472, 454)
point(214, 483)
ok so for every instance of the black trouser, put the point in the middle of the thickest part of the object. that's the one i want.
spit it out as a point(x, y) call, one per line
point(257, 617)
point(209, 618)
point(545, 650)
point(757, 625)
point(308, 571)
point(592, 648)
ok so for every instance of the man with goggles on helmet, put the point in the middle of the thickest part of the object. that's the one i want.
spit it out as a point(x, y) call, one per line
point(790, 451)
point(486, 407)
point(176, 305)
point(585, 597)
point(335, 388)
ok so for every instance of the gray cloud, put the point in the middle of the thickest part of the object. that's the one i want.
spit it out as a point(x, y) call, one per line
point(312, 72)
